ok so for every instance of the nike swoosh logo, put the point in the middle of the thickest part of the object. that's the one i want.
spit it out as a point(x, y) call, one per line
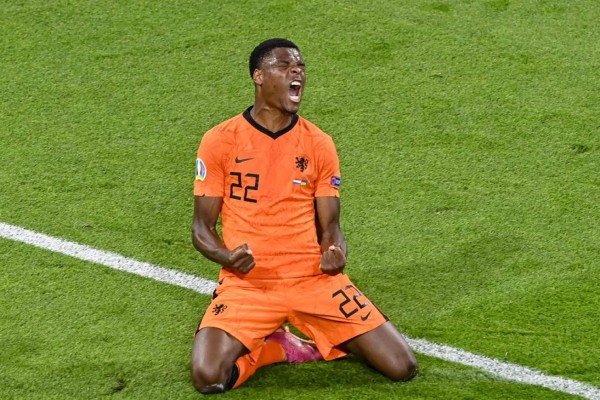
point(366, 317)
point(241, 160)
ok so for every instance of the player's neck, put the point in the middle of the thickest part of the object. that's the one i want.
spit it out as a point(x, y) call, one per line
point(269, 118)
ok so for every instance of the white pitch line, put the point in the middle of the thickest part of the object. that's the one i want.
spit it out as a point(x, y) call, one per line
point(107, 259)
point(504, 370)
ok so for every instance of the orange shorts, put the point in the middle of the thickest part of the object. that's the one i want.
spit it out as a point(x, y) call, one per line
point(328, 309)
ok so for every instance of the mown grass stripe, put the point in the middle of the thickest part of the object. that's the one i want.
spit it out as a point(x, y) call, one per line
point(504, 370)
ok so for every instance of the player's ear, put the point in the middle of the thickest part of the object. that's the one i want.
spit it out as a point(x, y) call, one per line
point(257, 76)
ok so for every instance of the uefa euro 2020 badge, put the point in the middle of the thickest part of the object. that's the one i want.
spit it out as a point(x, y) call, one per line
point(200, 169)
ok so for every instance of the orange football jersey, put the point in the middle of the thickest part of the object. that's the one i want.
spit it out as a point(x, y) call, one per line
point(268, 182)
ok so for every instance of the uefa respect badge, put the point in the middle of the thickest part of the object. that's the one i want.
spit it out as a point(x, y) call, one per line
point(335, 182)
point(200, 169)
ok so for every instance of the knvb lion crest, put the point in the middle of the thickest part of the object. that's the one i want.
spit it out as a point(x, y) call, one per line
point(301, 163)
point(219, 308)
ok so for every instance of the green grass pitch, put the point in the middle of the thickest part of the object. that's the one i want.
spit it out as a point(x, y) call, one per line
point(468, 138)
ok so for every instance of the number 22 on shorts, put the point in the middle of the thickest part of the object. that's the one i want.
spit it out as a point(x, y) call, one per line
point(345, 307)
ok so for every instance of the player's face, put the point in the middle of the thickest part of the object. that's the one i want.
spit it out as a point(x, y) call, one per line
point(283, 79)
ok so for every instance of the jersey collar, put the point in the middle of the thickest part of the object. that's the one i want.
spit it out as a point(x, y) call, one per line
point(273, 135)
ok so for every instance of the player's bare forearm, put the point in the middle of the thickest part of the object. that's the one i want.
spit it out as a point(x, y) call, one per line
point(333, 238)
point(207, 241)
point(328, 219)
point(334, 249)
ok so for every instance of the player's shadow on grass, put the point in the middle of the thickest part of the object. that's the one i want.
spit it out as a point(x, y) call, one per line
point(345, 372)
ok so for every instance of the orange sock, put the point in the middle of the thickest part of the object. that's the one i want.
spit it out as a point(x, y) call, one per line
point(270, 353)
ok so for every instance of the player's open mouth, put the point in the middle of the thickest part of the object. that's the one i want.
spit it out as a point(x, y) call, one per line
point(295, 91)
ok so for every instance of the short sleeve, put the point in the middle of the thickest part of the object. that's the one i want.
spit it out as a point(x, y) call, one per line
point(210, 169)
point(329, 176)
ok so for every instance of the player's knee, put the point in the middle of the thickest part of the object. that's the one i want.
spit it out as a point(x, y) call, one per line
point(403, 369)
point(208, 379)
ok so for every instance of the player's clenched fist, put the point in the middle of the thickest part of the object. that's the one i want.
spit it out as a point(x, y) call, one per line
point(241, 259)
point(333, 260)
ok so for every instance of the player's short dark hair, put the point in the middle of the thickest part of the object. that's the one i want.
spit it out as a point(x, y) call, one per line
point(264, 49)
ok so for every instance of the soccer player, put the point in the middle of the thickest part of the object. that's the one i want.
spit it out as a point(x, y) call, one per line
point(274, 179)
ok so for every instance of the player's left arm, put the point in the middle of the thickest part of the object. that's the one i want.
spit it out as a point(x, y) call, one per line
point(334, 249)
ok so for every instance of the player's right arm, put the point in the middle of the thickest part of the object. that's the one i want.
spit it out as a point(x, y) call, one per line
point(209, 189)
point(207, 241)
